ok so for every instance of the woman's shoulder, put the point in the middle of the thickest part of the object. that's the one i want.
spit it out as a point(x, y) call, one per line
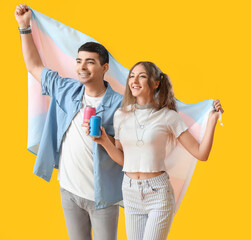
point(123, 113)
point(169, 114)
point(124, 110)
point(118, 112)
point(167, 111)
point(172, 112)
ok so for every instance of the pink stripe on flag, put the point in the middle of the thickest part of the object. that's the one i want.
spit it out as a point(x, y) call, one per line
point(36, 99)
point(177, 184)
point(56, 59)
point(116, 85)
point(194, 127)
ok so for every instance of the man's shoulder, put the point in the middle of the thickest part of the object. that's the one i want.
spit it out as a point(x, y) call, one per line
point(118, 95)
point(115, 95)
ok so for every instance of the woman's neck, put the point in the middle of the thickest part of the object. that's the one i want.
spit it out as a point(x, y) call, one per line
point(143, 101)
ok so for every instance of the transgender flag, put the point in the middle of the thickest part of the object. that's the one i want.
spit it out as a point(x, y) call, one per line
point(57, 45)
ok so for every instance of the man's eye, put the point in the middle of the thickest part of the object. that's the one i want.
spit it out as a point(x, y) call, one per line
point(131, 76)
point(78, 62)
point(143, 76)
point(90, 62)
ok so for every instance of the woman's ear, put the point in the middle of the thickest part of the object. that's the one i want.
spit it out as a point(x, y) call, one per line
point(156, 84)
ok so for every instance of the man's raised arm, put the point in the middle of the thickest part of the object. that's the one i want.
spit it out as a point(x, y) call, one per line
point(32, 59)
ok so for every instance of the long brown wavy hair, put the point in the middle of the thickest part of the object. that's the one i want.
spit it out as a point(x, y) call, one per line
point(162, 96)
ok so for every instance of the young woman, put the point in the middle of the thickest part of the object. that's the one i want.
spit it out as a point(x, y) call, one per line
point(146, 127)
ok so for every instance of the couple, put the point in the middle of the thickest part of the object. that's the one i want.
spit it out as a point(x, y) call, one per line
point(145, 124)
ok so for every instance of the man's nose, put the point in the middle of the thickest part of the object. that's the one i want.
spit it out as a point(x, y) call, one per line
point(83, 65)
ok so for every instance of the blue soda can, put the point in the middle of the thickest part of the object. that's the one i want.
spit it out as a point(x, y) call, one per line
point(95, 124)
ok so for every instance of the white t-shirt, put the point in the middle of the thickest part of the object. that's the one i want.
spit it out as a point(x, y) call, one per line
point(76, 159)
point(156, 139)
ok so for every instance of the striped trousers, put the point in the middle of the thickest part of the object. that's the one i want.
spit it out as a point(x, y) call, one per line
point(149, 207)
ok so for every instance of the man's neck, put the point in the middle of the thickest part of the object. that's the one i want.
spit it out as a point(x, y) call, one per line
point(97, 90)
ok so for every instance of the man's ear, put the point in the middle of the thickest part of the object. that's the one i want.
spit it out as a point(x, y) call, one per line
point(105, 68)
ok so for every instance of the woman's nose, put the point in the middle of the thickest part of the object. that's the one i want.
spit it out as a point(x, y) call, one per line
point(136, 79)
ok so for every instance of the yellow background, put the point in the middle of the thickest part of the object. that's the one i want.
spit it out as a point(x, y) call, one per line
point(205, 48)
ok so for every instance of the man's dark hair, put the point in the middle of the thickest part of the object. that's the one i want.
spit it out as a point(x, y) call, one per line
point(97, 48)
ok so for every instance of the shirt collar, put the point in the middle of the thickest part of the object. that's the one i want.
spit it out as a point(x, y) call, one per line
point(106, 101)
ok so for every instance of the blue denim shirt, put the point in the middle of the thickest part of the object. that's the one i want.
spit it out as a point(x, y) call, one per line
point(66, 100)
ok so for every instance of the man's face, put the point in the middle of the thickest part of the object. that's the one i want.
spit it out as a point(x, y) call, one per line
point(88, 67)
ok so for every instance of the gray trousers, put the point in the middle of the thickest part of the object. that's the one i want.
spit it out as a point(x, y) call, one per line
point(149, 207)
point(82, 217)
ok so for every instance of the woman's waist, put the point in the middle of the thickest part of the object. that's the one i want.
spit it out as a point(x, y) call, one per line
point(144, 167)
point(143, 175)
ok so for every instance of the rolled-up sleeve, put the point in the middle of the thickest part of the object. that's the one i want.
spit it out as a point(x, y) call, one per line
point(49, 81)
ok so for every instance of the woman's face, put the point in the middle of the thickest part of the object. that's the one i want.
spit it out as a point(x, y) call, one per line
point(138, 84)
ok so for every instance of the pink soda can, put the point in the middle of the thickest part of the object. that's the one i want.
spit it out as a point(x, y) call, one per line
point(89, 112)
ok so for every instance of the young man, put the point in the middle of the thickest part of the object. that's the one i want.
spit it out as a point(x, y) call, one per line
point(90, 181)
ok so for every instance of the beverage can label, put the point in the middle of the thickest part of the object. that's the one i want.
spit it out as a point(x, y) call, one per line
point(89, 111)
point(95, 124)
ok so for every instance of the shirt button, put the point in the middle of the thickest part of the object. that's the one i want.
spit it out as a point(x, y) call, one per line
point(74, 111)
